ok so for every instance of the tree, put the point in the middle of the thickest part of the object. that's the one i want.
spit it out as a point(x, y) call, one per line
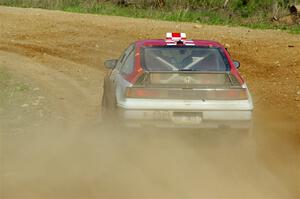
point(160, 3)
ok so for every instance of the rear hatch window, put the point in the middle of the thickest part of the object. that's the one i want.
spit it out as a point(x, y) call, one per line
point(184, 58)
point(188, 79)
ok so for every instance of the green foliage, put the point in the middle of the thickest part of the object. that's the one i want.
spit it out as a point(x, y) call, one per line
point(244, 7)
point(4, 83)
point(9, 87)
point(49, 4)
point(4, 78)
point(250, 13)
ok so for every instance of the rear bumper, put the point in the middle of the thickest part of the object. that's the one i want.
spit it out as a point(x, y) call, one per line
point(186, 119)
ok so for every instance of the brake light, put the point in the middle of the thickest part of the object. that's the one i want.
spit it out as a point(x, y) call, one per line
point(142, 93)
point(231, 94)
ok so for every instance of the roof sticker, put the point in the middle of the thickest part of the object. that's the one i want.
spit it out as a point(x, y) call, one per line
point(174, 39)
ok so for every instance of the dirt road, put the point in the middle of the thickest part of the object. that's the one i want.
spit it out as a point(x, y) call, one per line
point(52, 147)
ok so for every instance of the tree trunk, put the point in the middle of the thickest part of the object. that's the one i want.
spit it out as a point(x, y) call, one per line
point(275, 9)
point(226, 4)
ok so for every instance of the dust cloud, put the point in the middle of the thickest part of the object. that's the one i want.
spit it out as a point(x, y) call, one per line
point(96, 161)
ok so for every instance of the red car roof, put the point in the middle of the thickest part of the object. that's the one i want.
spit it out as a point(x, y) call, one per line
point(160, 42)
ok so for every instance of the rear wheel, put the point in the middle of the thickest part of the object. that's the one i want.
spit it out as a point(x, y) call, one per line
point(104, 109)
point(108, 110)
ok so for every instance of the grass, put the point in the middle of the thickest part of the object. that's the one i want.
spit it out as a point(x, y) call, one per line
point(15, 92)
point(169, 15)
point(9, 87)
point(4, 86)
point(295, 30)
point(4, 77)
point(205, 16)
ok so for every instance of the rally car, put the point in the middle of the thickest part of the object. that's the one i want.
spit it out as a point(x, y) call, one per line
point(175, 82)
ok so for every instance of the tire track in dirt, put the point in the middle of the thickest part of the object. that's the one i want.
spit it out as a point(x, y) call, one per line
point(69, 101)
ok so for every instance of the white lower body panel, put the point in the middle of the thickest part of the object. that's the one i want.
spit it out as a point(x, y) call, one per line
point(178, 113)
point(193, 119)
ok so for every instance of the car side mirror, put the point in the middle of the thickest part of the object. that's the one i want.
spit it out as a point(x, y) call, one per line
point(237, 64)
point(110, 64)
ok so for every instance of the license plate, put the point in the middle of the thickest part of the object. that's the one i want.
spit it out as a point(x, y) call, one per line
point(187, 118)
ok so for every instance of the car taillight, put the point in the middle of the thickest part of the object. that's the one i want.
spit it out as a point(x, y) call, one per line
point(231, 94)
point(142, 93)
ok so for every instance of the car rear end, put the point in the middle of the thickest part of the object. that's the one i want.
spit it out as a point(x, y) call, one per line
point(168, 99)
point(181, 83)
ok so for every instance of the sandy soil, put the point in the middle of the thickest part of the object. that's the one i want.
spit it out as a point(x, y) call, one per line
point(53, 147)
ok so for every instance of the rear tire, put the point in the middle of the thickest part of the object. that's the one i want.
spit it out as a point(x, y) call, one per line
point(109, 111)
